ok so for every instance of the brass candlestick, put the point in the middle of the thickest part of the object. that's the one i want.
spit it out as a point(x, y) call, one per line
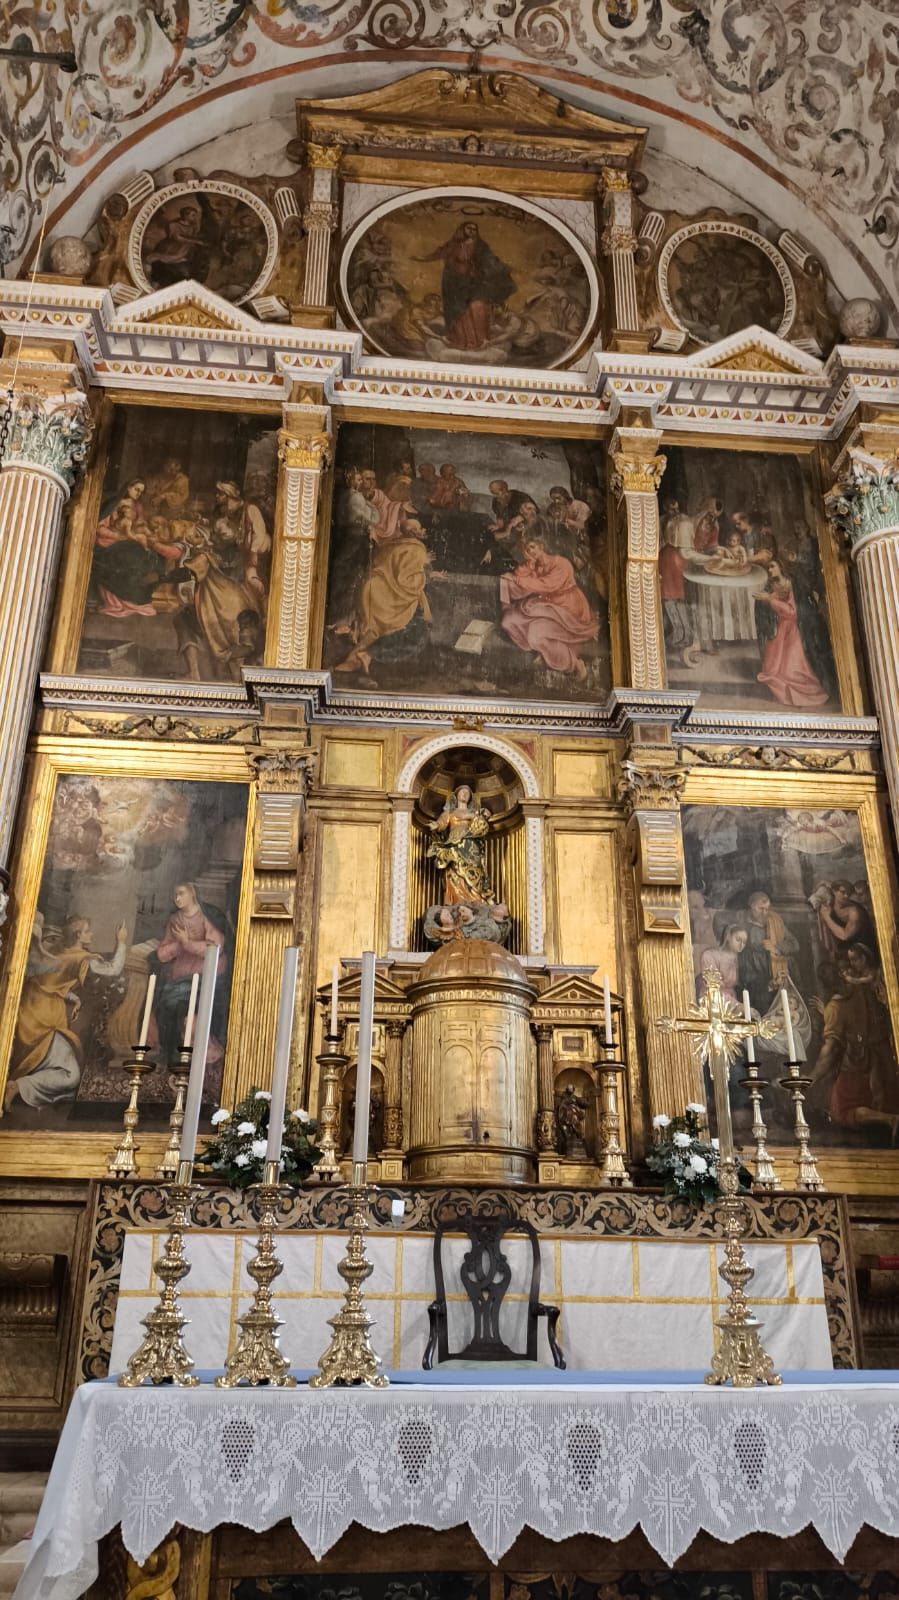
point(168, 1166)
point(257, 1359)
point(807, 1175)
point(740, 1358)
point(122, 1162)
point(161, 1356)
point(349, 1358)
point(613, 1173)
point(332, 1063)
point(765, 1171)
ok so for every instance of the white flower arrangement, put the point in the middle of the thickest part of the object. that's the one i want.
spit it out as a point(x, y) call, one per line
point(688, 1160)
point(236, 1152)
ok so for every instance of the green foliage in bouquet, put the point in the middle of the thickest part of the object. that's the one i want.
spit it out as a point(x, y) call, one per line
point(688, 1159)
point(236, 1152)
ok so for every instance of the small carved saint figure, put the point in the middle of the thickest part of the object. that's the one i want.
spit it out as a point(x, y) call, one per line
point(458, 848)
point(571, 1121)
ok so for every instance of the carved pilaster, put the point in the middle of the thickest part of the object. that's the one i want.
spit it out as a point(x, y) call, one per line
point(320, 221)
point(282, 781)
point(864, 506)
point(304, 450)
point(393, 1086)
point(546, 1113)
point(618, 243)
point(651, 795)
point(49, 435)
point(637, 473)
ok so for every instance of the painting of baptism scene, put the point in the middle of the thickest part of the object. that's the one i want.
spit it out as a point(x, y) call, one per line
point(140, 874)
point(779, 900)
point(469, 277)
point(467, 563)
point(743, 593)
point(182, 549)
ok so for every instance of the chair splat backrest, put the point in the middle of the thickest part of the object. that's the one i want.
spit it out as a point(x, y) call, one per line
point(486, 1277)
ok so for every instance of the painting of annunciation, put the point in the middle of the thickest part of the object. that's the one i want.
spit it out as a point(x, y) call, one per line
point(780, 899)
point(468, 563)
point(182, 548)
point(744, 602)
point(139, 875)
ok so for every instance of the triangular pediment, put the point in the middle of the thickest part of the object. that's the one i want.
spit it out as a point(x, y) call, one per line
point(349, 988)
point(754, 349)
point(186, 305)
point(571, 991)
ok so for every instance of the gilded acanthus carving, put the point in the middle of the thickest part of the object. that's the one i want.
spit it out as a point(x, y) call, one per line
point(51, 432)
point(651, 796)
point(634, 476)
point(284, 771)
point(325, 156)
point(305, 452)
point(866, 499)
point(155, 727)
point(658, 787)
point(769, 758)
point(156, 1579)
point(321, 215)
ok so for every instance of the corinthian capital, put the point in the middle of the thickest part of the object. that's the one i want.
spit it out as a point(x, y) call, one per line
point(49, 431)
point(865, 498)
point(309, 451)
point(637, 469)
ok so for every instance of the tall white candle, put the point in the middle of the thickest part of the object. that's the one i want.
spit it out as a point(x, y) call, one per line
point(788, 1024)
point(747, 1012)
point(607, 1008)
point(198, 1054)
point(282, 1053)
point(363, 1063)
point(148, 1007)
point(191, 1010)
point(335, 980)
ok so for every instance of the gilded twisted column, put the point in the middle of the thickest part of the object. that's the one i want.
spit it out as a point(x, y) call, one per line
point(637, 473)
point(304, 450)
point(48, 440)
point(864, 505)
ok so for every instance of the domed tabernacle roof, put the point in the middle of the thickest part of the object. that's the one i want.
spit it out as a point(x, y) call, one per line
point(472, 958)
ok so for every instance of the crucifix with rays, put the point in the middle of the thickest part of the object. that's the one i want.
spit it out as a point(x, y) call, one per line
point(718, 1029)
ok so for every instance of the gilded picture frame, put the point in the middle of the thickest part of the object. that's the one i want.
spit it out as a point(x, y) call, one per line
point(861, 796)
point(57, 1153)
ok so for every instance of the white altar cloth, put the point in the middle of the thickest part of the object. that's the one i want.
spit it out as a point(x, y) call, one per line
point(561, 1459)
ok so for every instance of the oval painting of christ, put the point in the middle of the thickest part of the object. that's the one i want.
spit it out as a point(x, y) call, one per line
point(468, 275)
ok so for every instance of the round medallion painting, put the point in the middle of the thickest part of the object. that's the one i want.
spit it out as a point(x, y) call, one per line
point(717, 280)
point(215, 233)
point(469, 276)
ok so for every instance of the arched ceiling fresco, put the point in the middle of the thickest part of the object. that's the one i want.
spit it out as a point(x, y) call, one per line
point(806, 91)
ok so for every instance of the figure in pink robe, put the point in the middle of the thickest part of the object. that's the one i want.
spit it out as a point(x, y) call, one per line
point(785, 667)
point(545, 611)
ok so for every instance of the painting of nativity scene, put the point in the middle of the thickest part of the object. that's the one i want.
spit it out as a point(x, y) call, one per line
point(140, 874)
point(468, 277)
point(743, 595)
point(182, 549)
point(779, 899)
point(467, 563)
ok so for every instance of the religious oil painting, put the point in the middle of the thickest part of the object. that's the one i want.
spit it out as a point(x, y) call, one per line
point(467, 563)
point(139, 875)
point(780, 899)
point(182, 549)
point(717, 280)
point(744, 600)
point(215, 233)
point(470, 276)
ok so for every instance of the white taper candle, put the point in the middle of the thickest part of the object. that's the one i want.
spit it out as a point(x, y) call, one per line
point(148, 1007)
point(607, 1009)
point(282, 1053)
point(747, 1013)
point(335, 980)
point(191, 1010)
point(788, 1024)
point(363, 1061)
point(198, 1055)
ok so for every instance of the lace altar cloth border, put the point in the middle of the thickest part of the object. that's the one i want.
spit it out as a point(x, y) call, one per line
point(561, 1461)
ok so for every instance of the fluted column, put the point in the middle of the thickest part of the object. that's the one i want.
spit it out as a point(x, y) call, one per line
point(546, 1107)
point(320, 221)
point(618, 243)
point(637, 473)
point(304, 448)
point(864, 505)
point(48, 438)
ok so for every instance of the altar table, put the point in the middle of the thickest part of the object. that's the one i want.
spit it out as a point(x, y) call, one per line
point(562, 1455)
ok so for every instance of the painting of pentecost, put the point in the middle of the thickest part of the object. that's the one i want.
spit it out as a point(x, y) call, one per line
point(467, 563)
point(743, 593)
point(181, 561)
point(470, 277)
point(779, 899)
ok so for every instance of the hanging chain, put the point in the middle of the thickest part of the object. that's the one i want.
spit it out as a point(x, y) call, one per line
point(6, 424)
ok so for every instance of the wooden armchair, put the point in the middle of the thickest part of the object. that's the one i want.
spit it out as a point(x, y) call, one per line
point(486, 1275)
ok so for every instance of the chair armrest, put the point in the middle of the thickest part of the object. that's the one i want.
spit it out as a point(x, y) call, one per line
point(552, 1315)
point(436, 1315)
